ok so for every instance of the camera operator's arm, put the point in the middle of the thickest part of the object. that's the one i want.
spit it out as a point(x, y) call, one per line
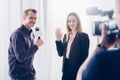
point(106, 42)
point(84, 65)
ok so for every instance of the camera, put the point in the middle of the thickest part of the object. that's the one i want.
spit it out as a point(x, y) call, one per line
point(111, 27)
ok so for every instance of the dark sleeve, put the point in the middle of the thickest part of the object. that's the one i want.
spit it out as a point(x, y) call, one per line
point(92, 70)
point(22, 52)
point(60, 46)
point(84, 38)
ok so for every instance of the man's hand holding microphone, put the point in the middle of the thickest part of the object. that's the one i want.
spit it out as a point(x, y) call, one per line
point(39, 41)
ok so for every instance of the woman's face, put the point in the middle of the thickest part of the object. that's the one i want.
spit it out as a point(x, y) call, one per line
point(72, 22)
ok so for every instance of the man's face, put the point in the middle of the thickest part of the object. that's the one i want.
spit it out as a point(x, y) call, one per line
point(30, 19)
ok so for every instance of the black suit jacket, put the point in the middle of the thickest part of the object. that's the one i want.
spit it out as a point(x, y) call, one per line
point(78, 51)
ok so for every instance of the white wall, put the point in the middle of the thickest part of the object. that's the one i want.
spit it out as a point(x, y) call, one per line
point(51, 14)
point(8, 15)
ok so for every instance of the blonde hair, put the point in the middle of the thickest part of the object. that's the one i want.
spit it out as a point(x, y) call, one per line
point(78, 29)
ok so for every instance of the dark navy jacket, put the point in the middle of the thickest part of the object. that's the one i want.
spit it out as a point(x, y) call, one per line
point(105, 65)
point(21, 53)
point(78, 53)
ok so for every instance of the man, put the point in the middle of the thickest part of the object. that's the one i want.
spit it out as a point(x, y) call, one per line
point(103, 64)
point(22, 48)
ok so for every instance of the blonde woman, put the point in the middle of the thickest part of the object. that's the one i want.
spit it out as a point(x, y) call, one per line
point(74, 47)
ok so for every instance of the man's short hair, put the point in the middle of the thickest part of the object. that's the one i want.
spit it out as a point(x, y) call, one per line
point(27, 10)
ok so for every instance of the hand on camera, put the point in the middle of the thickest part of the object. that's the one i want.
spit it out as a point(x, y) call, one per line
point(105, 40)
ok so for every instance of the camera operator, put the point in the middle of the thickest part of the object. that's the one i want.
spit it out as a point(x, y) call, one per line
point(103, 64)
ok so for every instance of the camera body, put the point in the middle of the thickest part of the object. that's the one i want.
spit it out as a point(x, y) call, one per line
point(111, 28)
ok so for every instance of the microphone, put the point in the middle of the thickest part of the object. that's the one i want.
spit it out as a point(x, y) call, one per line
point(38, 32)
